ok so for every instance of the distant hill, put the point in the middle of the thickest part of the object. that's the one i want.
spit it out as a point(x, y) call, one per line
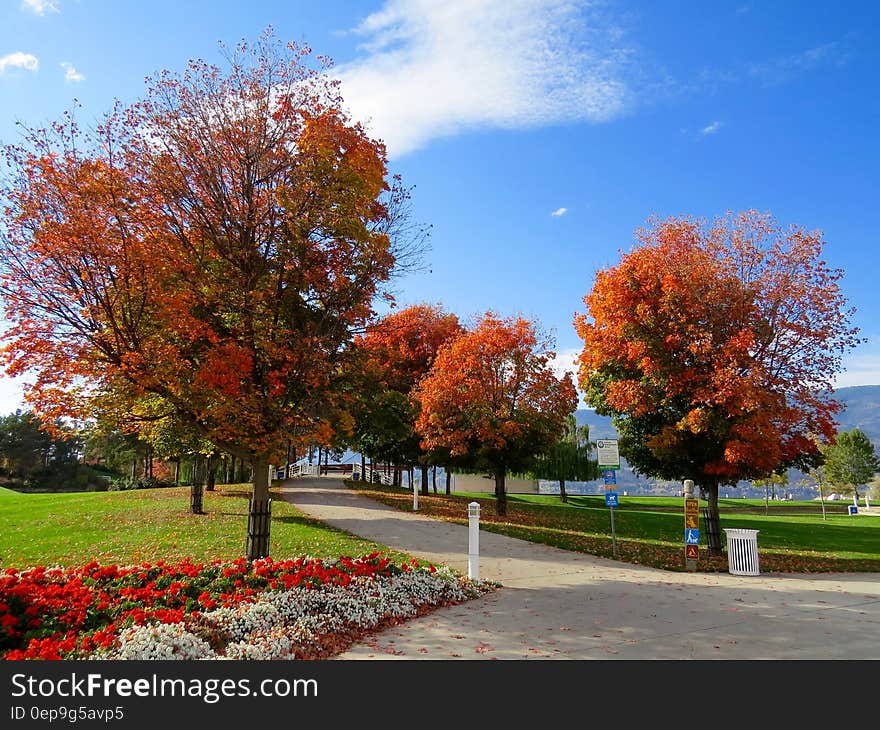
point(861, 410)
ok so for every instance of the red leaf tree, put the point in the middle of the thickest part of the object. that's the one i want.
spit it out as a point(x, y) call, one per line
point(215, 245)
point(714, 346)
point(400, 350)
point(493, 399)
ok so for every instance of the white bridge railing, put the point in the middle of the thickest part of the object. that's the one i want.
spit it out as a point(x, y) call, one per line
point(303, 470)
point(368, 474)
point(375, 475)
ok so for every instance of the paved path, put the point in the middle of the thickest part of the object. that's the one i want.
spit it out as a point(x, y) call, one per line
point(556, 604)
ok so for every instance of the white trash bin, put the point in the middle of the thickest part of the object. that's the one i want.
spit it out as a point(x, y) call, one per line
point(742, 551)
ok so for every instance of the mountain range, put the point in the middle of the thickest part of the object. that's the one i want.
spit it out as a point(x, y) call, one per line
point(861, 409)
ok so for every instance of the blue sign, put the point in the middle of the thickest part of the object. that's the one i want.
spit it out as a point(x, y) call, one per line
point(610, 476)
point(853, 510)
point(691, 536)
point(611, 499)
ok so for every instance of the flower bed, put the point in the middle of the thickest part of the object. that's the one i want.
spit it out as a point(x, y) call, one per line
point(289, 609)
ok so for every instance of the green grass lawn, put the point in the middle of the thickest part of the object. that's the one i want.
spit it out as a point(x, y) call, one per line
point(148, 525)
point(650, 530)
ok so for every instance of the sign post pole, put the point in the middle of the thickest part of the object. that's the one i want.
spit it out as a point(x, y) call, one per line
point(609, 462)
point(691, 527)
point(613, 533)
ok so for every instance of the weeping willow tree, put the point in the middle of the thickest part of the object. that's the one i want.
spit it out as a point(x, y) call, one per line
point(569, 459)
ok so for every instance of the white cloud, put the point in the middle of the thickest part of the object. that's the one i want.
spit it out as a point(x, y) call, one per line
point(710, 128)
point(780, 69)
point(40, 7)
point(433, 69)
point(559, 212)
point(19, 60)
point(566, 362)
point(860, 370)
point(71, 75)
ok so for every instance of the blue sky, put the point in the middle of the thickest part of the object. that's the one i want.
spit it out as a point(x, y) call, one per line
point(538, 134)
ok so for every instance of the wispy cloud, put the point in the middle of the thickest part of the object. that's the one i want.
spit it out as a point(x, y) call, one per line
point(40, 7)
point(710, 128)
point(559, 212)
point(19, 59)
point(71, 75)
point(860, 370)
point(433, 70)
point(781, 69)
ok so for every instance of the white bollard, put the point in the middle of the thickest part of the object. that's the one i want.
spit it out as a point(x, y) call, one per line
point(415, 496)
point(474, 541)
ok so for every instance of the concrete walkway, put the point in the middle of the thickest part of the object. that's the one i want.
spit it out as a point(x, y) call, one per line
point(556, 604)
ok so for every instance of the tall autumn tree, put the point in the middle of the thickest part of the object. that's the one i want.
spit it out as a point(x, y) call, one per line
point(493, 400)
point(714, 347)
point(216, 245)
point(400, 350)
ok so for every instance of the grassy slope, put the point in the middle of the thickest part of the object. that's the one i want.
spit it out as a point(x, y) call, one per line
point(650, 530)
point(154, 524)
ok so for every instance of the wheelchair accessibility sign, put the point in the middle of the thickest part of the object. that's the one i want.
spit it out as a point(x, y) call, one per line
point(691, 537)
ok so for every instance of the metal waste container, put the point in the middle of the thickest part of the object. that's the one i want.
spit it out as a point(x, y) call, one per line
point(742, 551)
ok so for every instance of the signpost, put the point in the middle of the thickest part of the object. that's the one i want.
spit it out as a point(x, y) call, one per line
point(691, 526)
point(609, 460)
point(608, 454)
point(612, 501)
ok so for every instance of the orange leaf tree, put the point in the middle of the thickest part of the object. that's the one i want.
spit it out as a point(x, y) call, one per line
point(493, 399)
point(216, 245)
point(400, 350)
point(713, 347)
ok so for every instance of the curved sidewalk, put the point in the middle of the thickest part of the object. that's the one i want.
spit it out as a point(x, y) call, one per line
point(556, 604)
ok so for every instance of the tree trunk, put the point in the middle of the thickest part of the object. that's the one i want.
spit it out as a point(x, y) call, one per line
point(211, 477)
point(448, 482)
point(713, 529)
point(434, 478)
point(259, 521)
point(424, 479)
point(134, 469)
point(822, 500)
point(500, 493)
point(196, 490)
point(363, 467)
point(562, 495)
point(177, 471)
